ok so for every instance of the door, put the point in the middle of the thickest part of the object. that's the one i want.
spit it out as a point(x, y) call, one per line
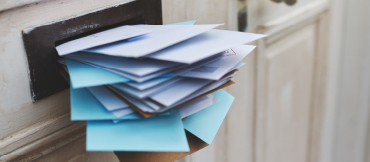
point(290, 79)
point(280, 94)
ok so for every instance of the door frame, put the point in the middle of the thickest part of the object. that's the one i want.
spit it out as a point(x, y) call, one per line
point(346, 128)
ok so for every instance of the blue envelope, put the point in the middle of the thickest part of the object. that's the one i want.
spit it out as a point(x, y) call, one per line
point(84, 106)
point(185, 23)
point(83, 75)
point(205, 123)
point(157, 134)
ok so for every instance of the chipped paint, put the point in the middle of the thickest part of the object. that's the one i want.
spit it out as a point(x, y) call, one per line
point(73, 30)
point(30, 83)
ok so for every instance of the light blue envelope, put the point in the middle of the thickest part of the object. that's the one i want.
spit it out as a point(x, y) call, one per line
point(185, 23)
point(84, 106)
point(83, 75)
point(205, 123)
point(157, 134)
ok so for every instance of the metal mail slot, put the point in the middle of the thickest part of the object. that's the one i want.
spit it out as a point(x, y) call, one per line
point(40, 41)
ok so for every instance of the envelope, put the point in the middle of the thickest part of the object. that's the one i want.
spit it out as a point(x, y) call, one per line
point(147, 92)
point(97, 39)
point(89, 67)
point(195, 145)
point(178, 91)
point(217, 69)
point(185, 23)
point(84, 106)
point(138, 67)
point(156, 134)
point(197, 105)
point(207, 44)
point(205, 123)
point(167, 34)
point(83, 75)
point(109, 100)
point(149, 83)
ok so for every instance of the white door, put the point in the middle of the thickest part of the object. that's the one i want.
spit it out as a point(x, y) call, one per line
point(280, 94)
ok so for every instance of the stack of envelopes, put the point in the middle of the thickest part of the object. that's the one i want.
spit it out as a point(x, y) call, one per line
point(141, 86)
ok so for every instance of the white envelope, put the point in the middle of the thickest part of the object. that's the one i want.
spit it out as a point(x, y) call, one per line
point(147, 92)
point(161, 36)
point(110, 101)
point(138, 67)
point(101, 38)
point(197, 93)
point(162, 73)
point(138, 103)
point(146, 107)
point(122, 112)
point(197, 105)
point(179, 91)
point(217, 69)
point(149, 83)
point(204, 45)
point(172, 73)
point(193, 95)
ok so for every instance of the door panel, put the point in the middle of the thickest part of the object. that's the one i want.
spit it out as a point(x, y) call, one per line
point(289, 76)
point(271, 11)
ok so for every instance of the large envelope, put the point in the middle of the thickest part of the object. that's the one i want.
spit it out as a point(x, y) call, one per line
point(97, 39)
point(83, 75)
point(204, 45)
point(161, 36)
point(194, 141)
point(195, 145)
point(157, 134)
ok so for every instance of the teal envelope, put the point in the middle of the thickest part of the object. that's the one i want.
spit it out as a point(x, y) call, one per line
point(205, 123)
point(84, 106)
point(157, 134)
point(185, 23)
point(83, 75)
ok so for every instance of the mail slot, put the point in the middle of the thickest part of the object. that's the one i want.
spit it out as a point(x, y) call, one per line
point(40, 41)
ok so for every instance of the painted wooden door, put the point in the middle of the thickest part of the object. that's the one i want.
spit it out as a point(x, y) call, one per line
point(280, 94)
point(290, 80)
